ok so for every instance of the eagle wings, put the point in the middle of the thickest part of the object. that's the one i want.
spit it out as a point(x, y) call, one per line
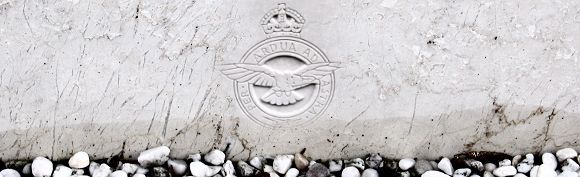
point(282, 84)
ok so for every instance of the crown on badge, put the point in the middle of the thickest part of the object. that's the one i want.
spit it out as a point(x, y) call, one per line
point(282, 21)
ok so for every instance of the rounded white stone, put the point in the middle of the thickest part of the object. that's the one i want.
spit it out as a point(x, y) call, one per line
point(370, 173)
point(566, 153)
point(228, 169)
point(520, 175)
point(118, 173)
point(505, 162)
point(432, 173)
point(505, 171)
point(534, 171)
point(335, 165)
point(546, 171)
point(179, 167)
point(215, 157)
point(41, 167)
point(282, 163)
point(462, 172)
point(490, 167)
point(524, 167)
point(406, 163)
point(9, 173)
point(292, 172)
point(257, 162)
point(103, 171)
point(549, 160)
point(62, 171)
point(154, 156)
point(198, 169)
point(79, 160)
point(474, 175)
point(129, 168)
point(27, 170)
point(350, 172)
point(92, 167)
point(572, 166)
point(445, 166)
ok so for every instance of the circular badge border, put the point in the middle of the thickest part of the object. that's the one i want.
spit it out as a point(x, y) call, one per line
point(284, 38)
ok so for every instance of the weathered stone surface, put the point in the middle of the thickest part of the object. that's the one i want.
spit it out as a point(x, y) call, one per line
point(141, 74)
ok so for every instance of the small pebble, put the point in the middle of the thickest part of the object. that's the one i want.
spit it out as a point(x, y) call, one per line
point(549, 160)
point(490, 167)
point(529, 159)
point(282, 163)
point(245, 169)
point(335, 165)
point(534, 171)
point(370, 173)
point(520, 175)
point(139, 175)
point(102, 171)
point(422, 166)
point(357, 162)
point(570, 165)
point(194, 157)
point(505, 162)
point(474, 164)
point(292, 172)
point(373, 161)
point(474, 175)
point(257, 162)
point(566, 153)
point(142, 170)
point(79, 160)
point(27, 169)
point(462, 172)
point(159, 172)
point(432, 173)
point(154, 156)
point(546, 170)
point(118, 173)
point(350, 172)
point(178, 167)
point(92, 167)
point(516, 159)
point(61, 171)
point(41, 167)
point(199, 169)
point(487, 174)
point(9, 173)
point(445, 166)
point(317, 170)
point(524, 167)
point(568, 174)
point(505, 171)
point(406, 164)
point(228, 169)
point(300, 161)
point(215, 157)
point(129, 168)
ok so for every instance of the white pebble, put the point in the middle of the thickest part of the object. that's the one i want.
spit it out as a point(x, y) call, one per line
point(350, 172)
point(356, 162)
point(141, 170)
point(490, 167)
point(505, 162)
point(9, 173)
point(300, 161)
point(529, 159)
point(139, 175)
point(228, 169)
point(572, 166)
point(282, 163)
point(566, 153)
point(129, 168)
point(445, 166)
point(215, 157)
point(335, 165)
point(179, 167)
point(41, 167)
point(432, 173)
point(406, 164)
point(549, 160)
point(462, 172)
point(520, 175)
point(62, 171)
point(103, 171)
point(257, 162)
point(199, 169)
point(92, 167)
point(524, 167)
point(474, 175)
point(268, 168)
point(292, 172)
point(546, 171)
point(79, 160)
point(505, 171)
point(568, 174)
point(119, 173)
point(487, 174)
point(155, 156)
point(370, 173)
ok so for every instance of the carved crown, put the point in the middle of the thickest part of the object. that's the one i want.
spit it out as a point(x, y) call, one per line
point(282, 21)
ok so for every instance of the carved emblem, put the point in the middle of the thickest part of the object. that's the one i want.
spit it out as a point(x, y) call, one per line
point(283, 80)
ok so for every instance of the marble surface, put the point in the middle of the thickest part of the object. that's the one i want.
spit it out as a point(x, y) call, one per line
point(424, 78)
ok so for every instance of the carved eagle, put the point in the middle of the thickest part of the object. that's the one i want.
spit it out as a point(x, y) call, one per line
point(282, 84)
